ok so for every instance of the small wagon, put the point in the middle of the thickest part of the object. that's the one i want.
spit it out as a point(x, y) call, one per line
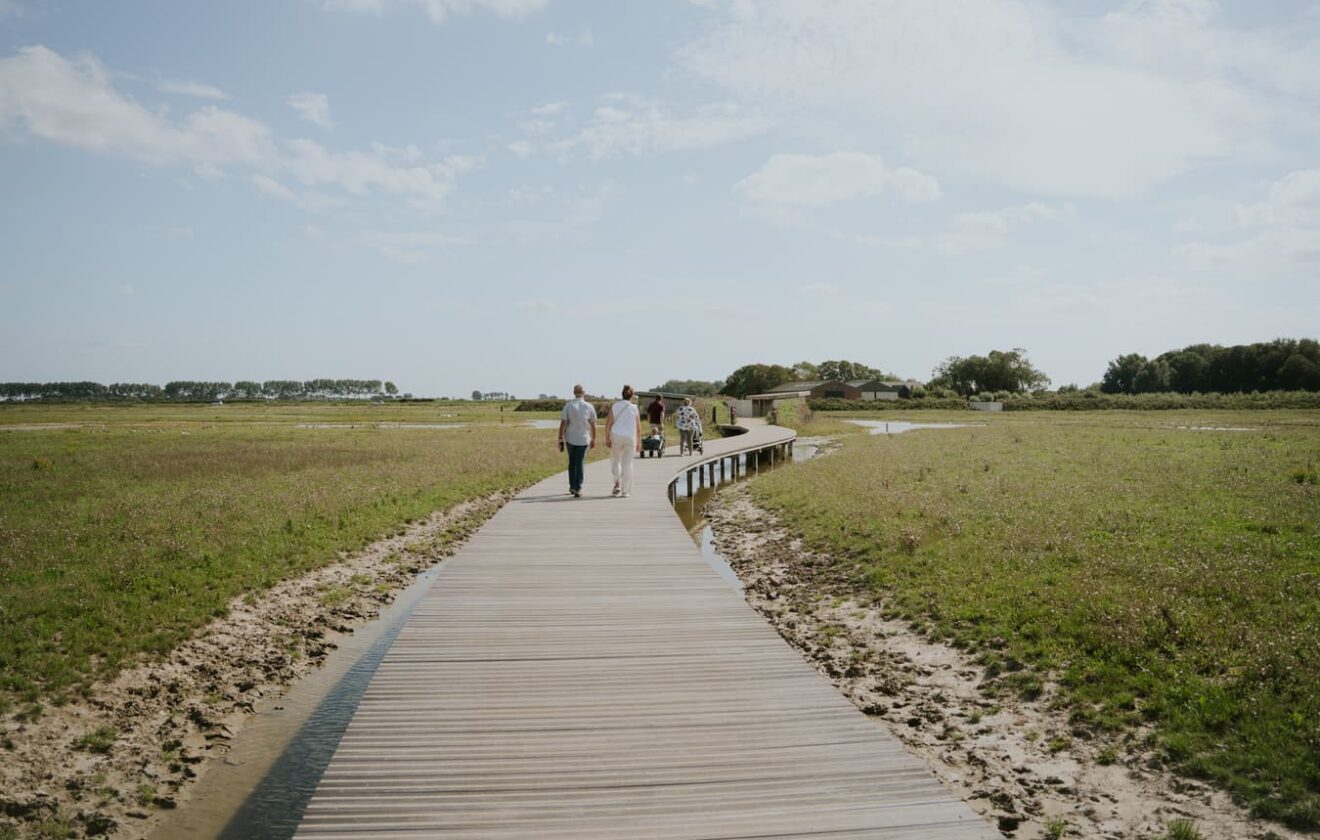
point(653, 446)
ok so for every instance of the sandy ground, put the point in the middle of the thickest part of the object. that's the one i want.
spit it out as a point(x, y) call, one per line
point(1017, 762)
point(165, 720)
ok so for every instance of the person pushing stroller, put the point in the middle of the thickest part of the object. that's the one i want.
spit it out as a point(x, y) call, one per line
point(689, 428)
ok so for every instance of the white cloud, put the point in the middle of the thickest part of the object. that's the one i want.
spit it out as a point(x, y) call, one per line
point(1293, 199)
point(313, 107)
point(990, 228)
point(636, 126)
point(441, 10)
point(530, 194)
point(408, 247)
point(74, 104)
point(1016, 92)
point(360, 172)
point(584, 38)
point(189, 88)
point(549, 109)
point(805, 181)
point(1283, 231)
point(540, 127)
point(269, 186)
point(522, 148)
point(314, 232)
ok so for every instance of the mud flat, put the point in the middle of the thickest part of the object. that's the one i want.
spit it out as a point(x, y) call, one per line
point(121, 760)
point(1016, 761)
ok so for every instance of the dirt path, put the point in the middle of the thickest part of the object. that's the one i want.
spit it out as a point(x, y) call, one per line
point(1018, 762)
point(110, 764)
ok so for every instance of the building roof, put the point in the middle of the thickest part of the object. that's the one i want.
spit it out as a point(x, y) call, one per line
point(778, 395)
point(794, 387)
point(888, 383)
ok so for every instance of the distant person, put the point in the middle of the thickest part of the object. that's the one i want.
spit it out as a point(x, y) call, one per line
point(623, 437)
point(733, 414)
point(577, 432)
point(688, 423)
point(655, 412)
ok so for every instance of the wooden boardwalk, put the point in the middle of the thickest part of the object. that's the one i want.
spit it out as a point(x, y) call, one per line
point(579, 671)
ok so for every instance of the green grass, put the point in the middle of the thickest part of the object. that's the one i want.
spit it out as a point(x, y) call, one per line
point(100, 740)
point(1163, 575)
point(142, 523)
point(1183, 830)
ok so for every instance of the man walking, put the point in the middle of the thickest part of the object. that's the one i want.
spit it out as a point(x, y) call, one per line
point(655, 412)
point(577, 431)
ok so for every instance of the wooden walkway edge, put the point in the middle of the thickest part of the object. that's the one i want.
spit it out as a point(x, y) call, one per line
point(579, 671)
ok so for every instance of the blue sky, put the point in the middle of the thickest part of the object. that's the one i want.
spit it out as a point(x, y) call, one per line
point(520, 194)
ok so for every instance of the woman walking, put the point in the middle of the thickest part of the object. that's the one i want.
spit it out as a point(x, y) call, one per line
point(623, 438)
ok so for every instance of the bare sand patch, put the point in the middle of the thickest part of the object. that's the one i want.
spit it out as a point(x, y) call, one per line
point(1018, 762)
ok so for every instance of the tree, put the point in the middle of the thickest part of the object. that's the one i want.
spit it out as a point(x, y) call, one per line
point(391, 389)
point(1281, 364)
point(476, 395)
point(805, 371)
point(843, 371)
point(1299, 373)
point(1001, 370)
point(1121, 375)
point(695, 387)
point(756, 379)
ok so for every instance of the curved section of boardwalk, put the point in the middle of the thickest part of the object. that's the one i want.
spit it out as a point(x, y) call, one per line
point(579, 671)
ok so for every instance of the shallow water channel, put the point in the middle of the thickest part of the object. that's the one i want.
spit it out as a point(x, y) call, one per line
point(894, 427)
point(261, 788)
point(692, 509)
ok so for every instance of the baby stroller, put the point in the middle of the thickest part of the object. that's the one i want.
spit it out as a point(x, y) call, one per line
point(653, 445)
point(697, 445)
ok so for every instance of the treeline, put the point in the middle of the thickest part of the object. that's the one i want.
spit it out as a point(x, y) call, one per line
point(197, 391)
point(1089, 400)
point(1281, 365)
point(601, 405)
point(759, 378)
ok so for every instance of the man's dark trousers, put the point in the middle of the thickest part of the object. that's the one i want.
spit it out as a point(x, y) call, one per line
point(576, 456)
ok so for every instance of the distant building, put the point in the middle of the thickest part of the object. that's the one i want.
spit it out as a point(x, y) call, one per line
point(671, 399)
point(856, 389)
point(885, 389)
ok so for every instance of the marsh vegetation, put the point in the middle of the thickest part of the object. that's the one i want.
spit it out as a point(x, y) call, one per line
point(1163, 575)
point(125, 528)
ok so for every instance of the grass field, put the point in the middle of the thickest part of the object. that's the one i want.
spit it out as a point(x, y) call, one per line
point(1164, 576)
point(125, 528)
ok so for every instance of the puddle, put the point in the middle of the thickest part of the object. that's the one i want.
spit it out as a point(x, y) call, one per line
point(543, 424)
point(261, 788)
point(691, 509)
point(381, 426)
point(1216, 428)
point(894, 427)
